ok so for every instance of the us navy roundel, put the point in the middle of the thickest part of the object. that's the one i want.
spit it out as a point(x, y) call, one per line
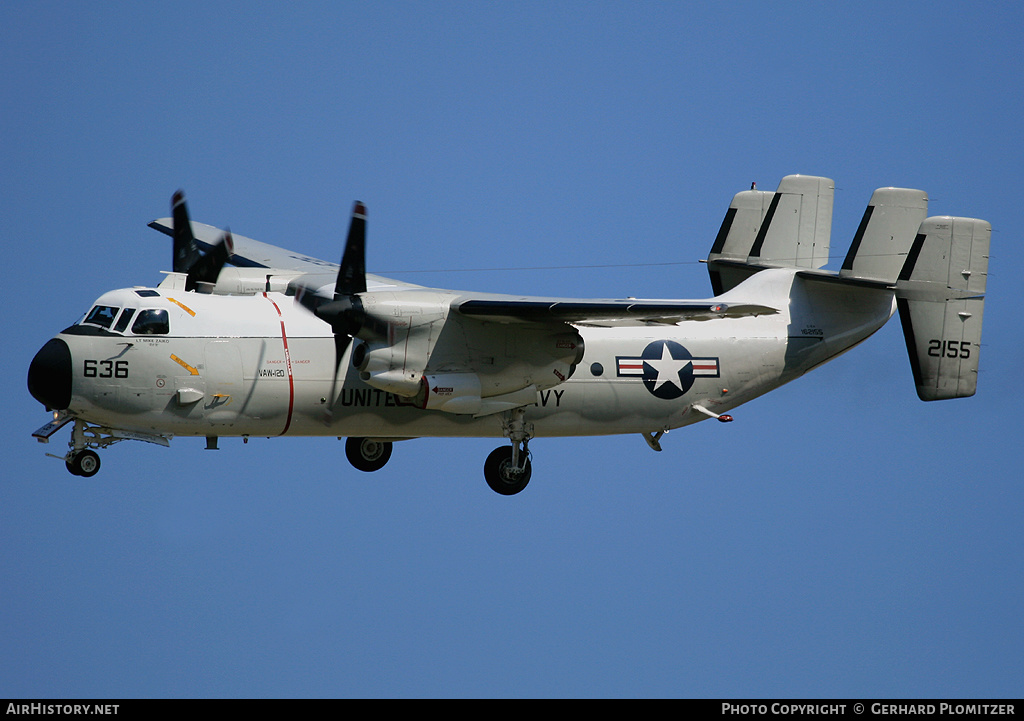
point(667, 368)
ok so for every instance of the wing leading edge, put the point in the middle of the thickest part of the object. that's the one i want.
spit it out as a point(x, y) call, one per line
point(604, 311)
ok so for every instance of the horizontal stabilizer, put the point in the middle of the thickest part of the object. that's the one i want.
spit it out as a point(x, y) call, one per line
point(940, 296)
point(886, 234)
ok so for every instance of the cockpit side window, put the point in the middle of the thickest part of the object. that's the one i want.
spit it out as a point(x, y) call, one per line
point(124, 319)
point(151, 322)
point(101, 315)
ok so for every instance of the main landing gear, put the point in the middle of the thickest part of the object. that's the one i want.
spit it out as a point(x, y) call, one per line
point(508, 469)
point(367, 454)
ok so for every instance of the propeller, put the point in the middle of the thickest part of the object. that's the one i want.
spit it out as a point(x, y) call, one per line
point(198, 267)
point(345, 313)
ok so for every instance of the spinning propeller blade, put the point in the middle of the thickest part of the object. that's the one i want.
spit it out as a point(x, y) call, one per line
point(208, 267)
point(198, 267)
point(345, 313)
point(185, 251)
point(352, 273)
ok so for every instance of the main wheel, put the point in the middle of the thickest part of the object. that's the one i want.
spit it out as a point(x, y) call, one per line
point(367, 454)
point(502, 476)
point(84, 463)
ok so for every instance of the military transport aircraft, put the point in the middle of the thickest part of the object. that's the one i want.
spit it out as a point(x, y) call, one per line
point(248, 339)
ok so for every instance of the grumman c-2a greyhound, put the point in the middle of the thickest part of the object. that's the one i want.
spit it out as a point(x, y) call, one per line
point(280, 344)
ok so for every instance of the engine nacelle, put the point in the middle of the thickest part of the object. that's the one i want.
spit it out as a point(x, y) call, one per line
point(541, 357)
point(461, 365)
point(376, 365)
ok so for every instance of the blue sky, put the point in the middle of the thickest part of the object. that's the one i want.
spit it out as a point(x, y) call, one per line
point(839, 539)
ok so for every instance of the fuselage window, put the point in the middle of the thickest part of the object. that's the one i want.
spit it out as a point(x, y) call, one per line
point(151, 322)
point(124, 319)
point(101, 315)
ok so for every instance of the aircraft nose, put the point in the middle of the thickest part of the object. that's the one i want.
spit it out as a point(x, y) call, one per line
point(49, 375)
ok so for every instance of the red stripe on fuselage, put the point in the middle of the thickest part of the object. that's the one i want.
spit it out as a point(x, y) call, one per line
point(288, 366)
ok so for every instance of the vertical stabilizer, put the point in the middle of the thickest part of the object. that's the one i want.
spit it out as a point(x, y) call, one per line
point(940, 295)
point(736, 236)
point(789, 228)
point(885, 235)
point(798, 226)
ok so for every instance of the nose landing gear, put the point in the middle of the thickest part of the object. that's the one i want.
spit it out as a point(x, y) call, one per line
point(81, 460)
point(84, 463)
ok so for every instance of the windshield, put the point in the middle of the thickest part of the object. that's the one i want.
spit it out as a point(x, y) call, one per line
point(101, 315)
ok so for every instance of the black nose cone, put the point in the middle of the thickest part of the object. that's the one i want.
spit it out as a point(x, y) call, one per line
point(49, 375)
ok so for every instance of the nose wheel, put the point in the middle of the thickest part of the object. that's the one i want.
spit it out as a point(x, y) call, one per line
point(84, 463)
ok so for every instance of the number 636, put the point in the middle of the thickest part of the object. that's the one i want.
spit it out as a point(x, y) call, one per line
point(105, 369)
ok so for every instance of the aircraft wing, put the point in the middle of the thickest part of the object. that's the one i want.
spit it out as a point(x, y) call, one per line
point(249, 253)
point(603, 312)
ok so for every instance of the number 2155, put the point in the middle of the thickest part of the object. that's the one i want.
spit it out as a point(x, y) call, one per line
point(949, 348)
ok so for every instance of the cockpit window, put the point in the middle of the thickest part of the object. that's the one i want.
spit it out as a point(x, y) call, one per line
point(124, 319)
point(151, 322)
point(101, 315)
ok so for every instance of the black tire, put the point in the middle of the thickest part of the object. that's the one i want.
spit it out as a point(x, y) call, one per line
point(499, 474)
point(366, 454)
point(85, 463)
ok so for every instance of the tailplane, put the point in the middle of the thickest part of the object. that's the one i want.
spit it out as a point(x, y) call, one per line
point(940, 295)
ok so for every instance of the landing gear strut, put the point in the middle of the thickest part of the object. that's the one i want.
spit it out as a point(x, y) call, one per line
point(81, 459)
point(367, 454)
point(508, 469)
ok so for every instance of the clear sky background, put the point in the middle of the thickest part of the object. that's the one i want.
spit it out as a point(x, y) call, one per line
point(839, 539)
